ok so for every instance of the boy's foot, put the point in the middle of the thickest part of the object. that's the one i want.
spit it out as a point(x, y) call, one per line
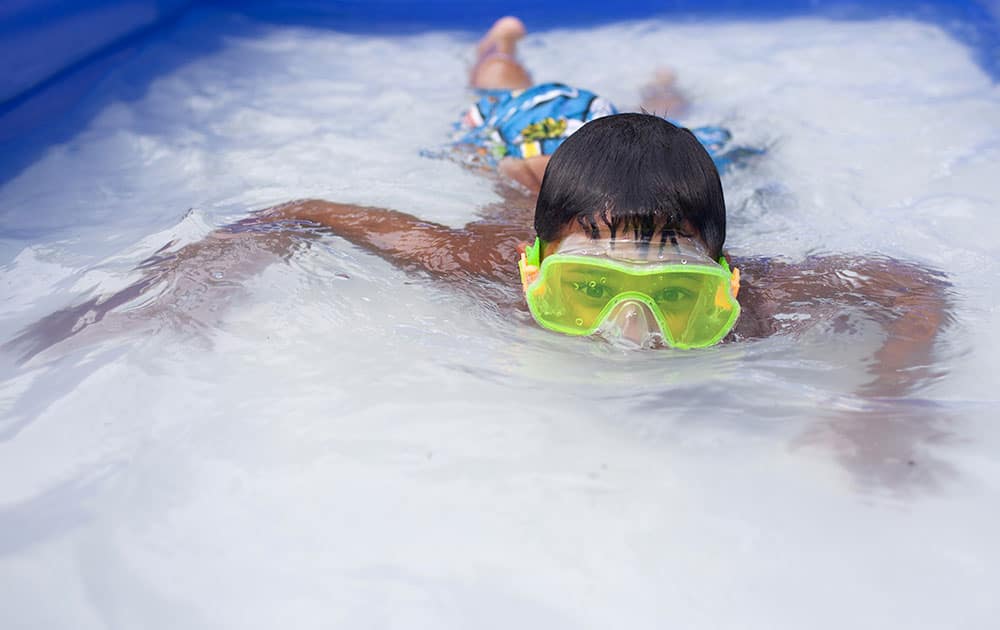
point(502, 37)
point(661, 95)
point(496, 66)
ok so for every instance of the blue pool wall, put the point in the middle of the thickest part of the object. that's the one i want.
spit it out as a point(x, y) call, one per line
point(56, 51)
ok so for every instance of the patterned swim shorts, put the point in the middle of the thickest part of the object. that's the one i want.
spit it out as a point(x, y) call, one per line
point(526, 123)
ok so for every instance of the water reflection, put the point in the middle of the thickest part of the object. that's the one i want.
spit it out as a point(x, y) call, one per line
point(183, 289)
point(893, 445)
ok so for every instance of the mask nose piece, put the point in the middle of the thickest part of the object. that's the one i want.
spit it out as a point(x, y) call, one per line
point(631, 322)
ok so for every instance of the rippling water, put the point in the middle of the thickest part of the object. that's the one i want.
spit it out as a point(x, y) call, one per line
point(289, 430)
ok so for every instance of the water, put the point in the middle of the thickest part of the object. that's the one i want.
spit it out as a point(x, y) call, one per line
point(320, 439)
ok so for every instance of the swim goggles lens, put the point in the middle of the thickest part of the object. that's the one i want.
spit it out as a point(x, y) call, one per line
point(692, 300)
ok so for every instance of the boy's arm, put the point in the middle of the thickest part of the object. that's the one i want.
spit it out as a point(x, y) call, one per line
point(399, 237)
point(479, 248)
point(915, 301)
point(225, 258)
point(190, 283)
point(909, 303)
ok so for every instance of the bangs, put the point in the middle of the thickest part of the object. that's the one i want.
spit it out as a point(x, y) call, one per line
point(635, 225)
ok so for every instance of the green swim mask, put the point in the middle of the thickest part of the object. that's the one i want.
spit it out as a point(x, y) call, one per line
point(671, 286)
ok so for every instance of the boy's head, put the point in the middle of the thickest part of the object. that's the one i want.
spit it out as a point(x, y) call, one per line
point(632, 176)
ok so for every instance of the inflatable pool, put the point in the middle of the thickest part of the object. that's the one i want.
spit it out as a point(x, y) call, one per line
point(289, 430)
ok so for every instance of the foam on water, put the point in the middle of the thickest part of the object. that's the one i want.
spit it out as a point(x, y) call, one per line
point(330, 441)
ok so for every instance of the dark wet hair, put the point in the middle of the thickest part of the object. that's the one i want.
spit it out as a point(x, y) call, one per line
point(635, 176)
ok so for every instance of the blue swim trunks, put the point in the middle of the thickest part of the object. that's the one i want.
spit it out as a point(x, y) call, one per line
point(526, 123)
point(535, 121)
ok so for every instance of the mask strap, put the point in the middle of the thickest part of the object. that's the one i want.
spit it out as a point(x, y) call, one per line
point(734, 276)
point(528, 264)
point(533, 253)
